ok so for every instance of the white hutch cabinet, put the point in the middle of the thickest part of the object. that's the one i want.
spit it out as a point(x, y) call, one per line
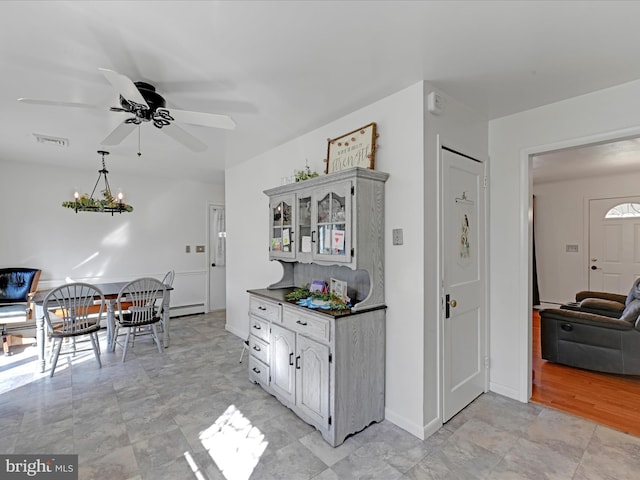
point(327, 366)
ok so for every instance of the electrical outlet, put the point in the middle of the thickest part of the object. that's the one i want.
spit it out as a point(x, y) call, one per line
point(571, 248)
point(187, 249)
point(397, 236)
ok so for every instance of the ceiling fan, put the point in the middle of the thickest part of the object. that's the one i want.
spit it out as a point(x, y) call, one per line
point(141, 100)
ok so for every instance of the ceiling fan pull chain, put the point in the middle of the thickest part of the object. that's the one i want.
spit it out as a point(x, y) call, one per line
point(139, 152)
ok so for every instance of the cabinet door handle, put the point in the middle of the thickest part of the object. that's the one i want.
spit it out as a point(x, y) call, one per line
point(313, 236)
point(298, 362)
point(300, 322)
point(567, 327)
point(257, 327)
point(291, 358)
point(256, 348)
point(256, 370)
point(262, 308)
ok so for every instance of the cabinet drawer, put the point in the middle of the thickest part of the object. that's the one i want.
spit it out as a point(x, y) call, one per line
point(259, 328)
point(259, 349)
point(308, 325)
point(265, 309)
point(258, 371)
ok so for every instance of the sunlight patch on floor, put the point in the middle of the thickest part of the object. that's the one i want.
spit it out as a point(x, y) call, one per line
point(234, 444)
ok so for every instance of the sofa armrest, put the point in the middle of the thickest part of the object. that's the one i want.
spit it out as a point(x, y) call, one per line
point(585, 318)
point(616, 297)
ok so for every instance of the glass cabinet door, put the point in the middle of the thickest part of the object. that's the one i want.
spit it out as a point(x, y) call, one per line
point(303, 235)
point(282, 221)
point(333, 223)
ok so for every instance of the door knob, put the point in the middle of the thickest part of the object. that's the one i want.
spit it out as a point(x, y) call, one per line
point(593, 267)
point(213, 264)
point(453, 303)
point(594, 259)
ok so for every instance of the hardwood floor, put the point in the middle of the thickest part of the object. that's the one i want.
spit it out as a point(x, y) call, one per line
point(612, 400)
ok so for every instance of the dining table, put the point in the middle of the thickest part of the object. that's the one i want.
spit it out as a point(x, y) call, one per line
point(110, 291)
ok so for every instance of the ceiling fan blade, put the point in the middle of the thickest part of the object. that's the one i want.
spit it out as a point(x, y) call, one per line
point(118, 134)
point(205, 119)
point(53, 103)
point(182, 136)
point(124, 86)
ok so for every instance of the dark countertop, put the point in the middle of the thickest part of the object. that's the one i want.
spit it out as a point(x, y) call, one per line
point(278, 294)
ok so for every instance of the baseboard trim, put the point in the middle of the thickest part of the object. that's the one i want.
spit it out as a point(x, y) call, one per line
point(183, 310)
point(404, 423)
point(504, 391)
point(229, 328)
point(432, 427)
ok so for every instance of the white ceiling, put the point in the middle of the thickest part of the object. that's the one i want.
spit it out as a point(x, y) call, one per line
point(281, 69)
point(608, 158)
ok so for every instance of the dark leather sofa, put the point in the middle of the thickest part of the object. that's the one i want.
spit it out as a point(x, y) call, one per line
point(600, 331)
point(17, 287)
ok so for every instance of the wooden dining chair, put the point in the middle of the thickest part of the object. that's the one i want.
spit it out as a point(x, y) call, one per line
point(71, 311)
point(168, 281)
point(136, 311)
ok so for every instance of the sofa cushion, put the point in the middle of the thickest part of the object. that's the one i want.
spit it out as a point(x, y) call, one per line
point(631, 312)
point(634, 293)
point(15, 284)
point(601, 306)
point(12, 311)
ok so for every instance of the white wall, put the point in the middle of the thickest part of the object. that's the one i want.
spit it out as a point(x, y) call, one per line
point(411, 283)
point(560, 219)
point(399, 122)
point(168, 214)
point(609, 113)
point(459, 128)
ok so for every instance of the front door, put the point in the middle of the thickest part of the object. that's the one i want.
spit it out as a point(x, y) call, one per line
point(614, 244)
point(464, 374)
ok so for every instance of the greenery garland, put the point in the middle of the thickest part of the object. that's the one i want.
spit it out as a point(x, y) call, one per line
point(86, 203)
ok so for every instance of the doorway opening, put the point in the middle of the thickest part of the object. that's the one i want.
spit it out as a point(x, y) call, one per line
point(568, 178)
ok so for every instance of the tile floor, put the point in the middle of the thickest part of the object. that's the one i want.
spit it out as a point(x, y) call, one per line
point(191, 413)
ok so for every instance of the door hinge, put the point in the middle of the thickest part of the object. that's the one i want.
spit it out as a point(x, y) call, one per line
point(486, 362)
point(353, 190)
point(329, 419)
point(330, 358)
point(485, 182)
point(353, 252)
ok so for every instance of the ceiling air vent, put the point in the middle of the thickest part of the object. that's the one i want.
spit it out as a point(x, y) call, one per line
point(48, 140)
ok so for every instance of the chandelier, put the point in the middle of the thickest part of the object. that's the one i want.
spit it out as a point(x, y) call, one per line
point(108, 204)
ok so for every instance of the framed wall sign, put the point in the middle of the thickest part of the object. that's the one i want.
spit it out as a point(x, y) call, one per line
point(354, 149)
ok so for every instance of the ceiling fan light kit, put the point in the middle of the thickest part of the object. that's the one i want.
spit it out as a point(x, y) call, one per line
point(141, 100)
point(109, 204)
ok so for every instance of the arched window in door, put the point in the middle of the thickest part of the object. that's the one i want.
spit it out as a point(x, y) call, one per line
point(624, 210)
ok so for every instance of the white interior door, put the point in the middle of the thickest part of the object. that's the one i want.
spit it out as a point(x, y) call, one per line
point(614, 244)
point(217, 248)
point(464, 285)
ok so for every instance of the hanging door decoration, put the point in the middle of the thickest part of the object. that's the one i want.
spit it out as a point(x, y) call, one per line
point(465, 211)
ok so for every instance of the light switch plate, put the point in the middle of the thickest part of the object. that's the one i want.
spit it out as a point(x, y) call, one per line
point(199, 248)
point(397, 236)
point(187, 249)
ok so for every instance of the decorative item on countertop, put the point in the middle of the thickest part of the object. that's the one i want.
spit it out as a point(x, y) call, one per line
point(110, 204)
point(305, 174)
point(339, 289)
point(324, 300)
point(354, 149)
point(318, 286)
